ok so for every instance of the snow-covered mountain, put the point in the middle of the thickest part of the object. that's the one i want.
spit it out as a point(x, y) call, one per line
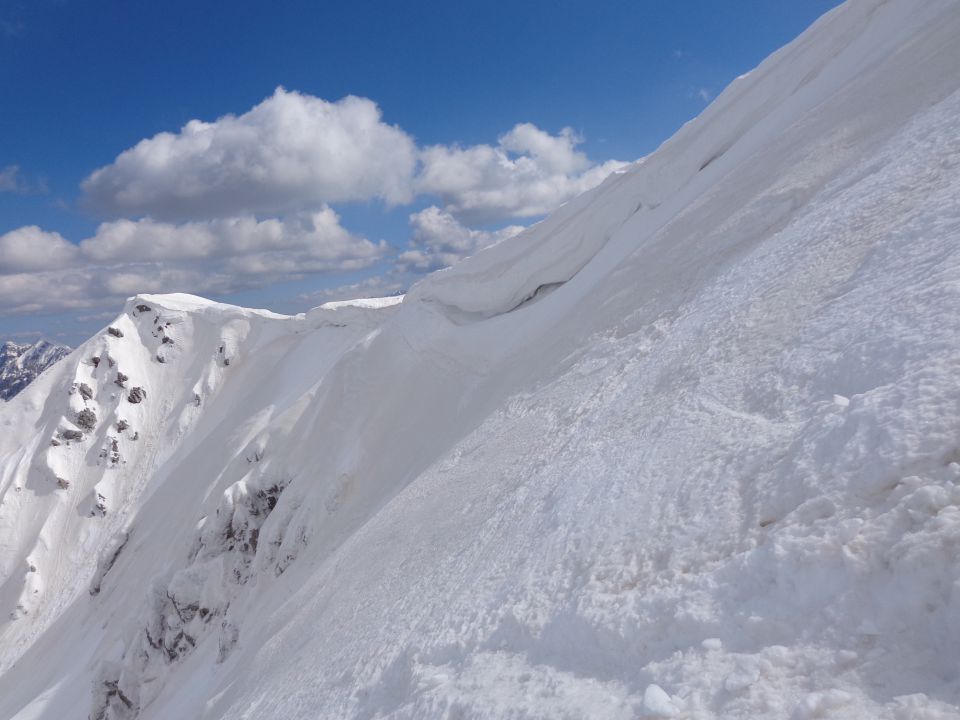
point(20, 364)
point(688, 448)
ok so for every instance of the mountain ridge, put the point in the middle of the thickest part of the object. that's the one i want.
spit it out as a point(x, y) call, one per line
point(21, 363)
point(686, 448)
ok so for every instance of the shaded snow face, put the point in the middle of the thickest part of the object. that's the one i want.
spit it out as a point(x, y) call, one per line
point(21, 364)
point(688, 448)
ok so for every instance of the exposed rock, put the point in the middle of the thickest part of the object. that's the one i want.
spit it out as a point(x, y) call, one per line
point(62, 484)
point(95, 360)
point(167, 340)
point(137, 394)
point(108, 559)
point(143, 308)
point(113, 699)
point(161, 358)
point(86, 419)
point(116, 332)
point(71, 435)
point(229, 635)
point(122, 425)
point(121, 379)
point(85, 391)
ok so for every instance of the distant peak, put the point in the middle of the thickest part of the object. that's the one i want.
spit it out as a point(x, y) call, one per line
point(21, 363)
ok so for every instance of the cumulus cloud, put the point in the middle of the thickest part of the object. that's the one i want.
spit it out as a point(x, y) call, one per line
point(246, 244)
point(291, 152)
point(244, 201)
point(30, 248)
point(528, 173)
point(41, 271)
point(439, 240)
point(295, 152)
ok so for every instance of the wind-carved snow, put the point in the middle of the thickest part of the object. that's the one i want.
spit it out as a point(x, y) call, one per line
point(688, 448)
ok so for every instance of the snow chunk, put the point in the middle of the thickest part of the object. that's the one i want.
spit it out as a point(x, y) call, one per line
point(657, 703)
point(819, 704)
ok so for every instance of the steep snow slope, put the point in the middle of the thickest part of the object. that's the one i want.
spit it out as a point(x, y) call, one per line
point(687, 448)
point(21, 364)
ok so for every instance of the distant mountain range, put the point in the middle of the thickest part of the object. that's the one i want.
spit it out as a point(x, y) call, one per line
point(20, 364)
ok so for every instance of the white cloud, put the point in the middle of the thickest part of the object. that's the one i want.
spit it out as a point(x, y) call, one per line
point(9, 178)
point(242, 242)
point(12, 180)
point(439, 240)
point(295, 152)
point(30, 248)
point(290, 152)
point(554, 153)
point(40, 271)
point(704, 94)
point(200, 195)
point(528, 173)
point(377, 286)
point(100, 317)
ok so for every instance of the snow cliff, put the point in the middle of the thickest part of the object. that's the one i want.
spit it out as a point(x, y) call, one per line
point(687, 448)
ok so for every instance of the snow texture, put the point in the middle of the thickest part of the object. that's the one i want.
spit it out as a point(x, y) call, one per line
point(686, 449)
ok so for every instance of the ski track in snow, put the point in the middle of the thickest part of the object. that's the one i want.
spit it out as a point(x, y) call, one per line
point(687, 448)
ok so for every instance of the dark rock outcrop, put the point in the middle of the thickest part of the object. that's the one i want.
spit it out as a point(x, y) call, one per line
point(86, 419)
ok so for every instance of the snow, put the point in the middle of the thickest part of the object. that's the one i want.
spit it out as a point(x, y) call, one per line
point(657, 703)
point(687, 448)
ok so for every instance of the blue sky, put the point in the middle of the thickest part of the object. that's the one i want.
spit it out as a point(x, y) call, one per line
point(490, 114)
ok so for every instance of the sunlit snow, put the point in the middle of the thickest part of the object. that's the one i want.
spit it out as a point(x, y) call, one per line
point(688, 448)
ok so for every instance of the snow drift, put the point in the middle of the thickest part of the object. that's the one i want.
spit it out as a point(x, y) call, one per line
point(687, 448)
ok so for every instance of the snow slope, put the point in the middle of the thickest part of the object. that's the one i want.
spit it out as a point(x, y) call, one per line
point(20, 364)
point(687, 448)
